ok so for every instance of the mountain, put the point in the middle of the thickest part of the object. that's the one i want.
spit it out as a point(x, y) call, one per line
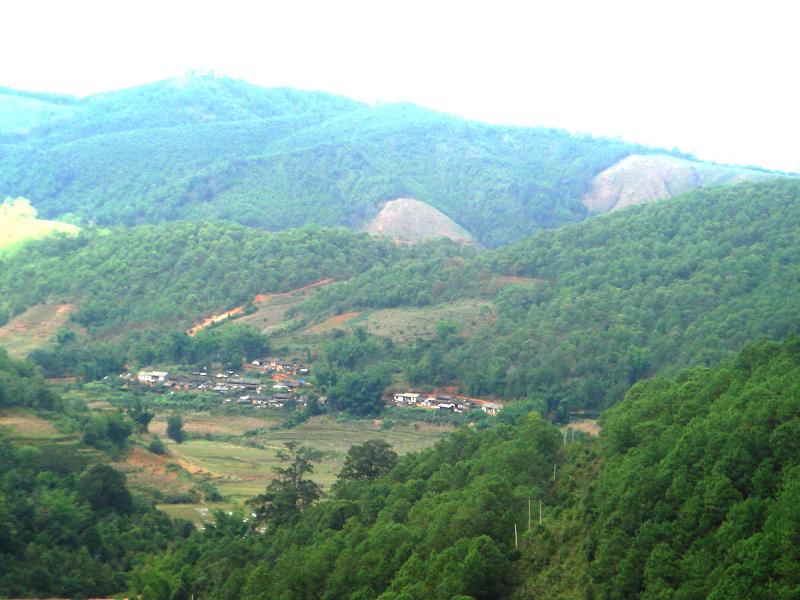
point(572, 316)
point(204, 147)
point(584, 311)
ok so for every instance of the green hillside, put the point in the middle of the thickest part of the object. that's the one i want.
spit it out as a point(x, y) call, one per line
point(605, 302)
point(206, 147)
point(171, 275)
point(573, 316)
point(689, 493)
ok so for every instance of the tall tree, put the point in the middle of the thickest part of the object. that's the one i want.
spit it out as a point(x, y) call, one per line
point(175, 428)
point(369, 460)
point(290, 492)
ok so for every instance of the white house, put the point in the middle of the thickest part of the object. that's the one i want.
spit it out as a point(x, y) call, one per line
point(491, 408)
point(406, 398)
point(152, 376)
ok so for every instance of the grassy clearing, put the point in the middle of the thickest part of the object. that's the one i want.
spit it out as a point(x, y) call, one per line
point(514, 280)
point(240, 471)
point(404, 325)
point(335, 322)
point(34, 328)
point(271, 309)
point(152, 474)
point(21, 425)
point(270, 314)
point(201, 423)
point(18, 224)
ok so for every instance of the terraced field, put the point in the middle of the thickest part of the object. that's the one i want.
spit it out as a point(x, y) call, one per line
point(34, 328)
point(404, 325)
point(242, 468)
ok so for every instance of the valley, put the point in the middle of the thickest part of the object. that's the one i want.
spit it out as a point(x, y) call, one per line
point(302, 346)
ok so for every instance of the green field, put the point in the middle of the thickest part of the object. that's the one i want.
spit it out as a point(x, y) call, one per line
point(404, 325)
point(240, 471)
point(18, 224)
point(35, 327)
point(25, 426)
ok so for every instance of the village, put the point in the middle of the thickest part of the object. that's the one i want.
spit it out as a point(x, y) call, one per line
point(277, 383)
point(273, 383)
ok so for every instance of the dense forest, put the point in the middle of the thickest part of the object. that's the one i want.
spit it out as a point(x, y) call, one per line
point(605, 302)
point(210, 148)
point(580, 313)
point(69, 526)
point(174, 274)
point(689, 493)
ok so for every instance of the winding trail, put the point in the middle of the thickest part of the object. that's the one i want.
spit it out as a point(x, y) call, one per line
point(257, 299)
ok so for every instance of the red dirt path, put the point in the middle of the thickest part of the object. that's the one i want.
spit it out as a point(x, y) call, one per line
point(257, 299)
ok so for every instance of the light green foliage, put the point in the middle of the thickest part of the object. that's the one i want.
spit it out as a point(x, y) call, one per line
point(18, 223)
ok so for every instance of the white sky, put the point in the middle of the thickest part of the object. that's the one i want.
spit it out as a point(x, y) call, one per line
point(719, 79)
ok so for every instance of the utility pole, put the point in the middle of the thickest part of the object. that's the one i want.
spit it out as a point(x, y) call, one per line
point(566, 432)
point(529, 513)
point(516, 544)
point(554, 471)
point(540, 511)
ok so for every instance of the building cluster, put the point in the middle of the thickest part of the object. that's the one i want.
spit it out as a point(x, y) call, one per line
point(242, 391)
point(444, 402)
point(276, 365)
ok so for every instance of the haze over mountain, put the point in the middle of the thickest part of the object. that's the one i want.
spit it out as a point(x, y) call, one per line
point(206, 147)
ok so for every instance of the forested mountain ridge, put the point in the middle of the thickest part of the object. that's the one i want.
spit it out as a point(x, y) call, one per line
point(578, 314)
point(206, 147)
point(171, 275)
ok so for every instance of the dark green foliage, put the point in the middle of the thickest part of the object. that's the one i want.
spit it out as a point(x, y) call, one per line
point(179, 272)
point(104, 489)
point(107, 431)
point(609, 301)
point(439, 525)
point(204, 148)
point(354, 370)
point(140, 415)
point(694, 498)
point(290, 492)
point(66, 531)
point(156, 446)
point(175, 428)
point(369, 460)
point(229, 345)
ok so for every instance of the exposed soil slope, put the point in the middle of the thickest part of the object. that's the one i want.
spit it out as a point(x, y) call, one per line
point(640, 179)
point(407, 220)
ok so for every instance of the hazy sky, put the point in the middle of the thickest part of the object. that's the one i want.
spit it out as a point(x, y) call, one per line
point(719, 79)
